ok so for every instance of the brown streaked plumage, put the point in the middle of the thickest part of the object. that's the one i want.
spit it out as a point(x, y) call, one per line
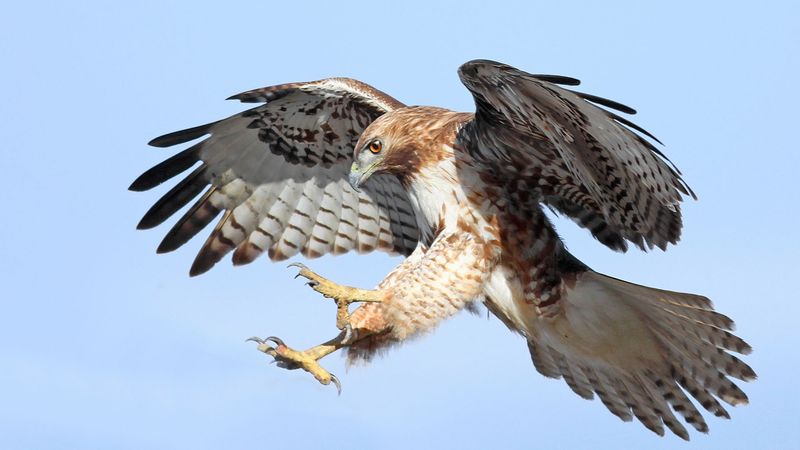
point(335, 165)
point(414, 134)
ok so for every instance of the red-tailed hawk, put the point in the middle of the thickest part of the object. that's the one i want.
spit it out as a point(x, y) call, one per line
point(335, 165)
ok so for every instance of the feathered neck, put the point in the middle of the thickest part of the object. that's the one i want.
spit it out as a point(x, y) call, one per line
point(435, 192)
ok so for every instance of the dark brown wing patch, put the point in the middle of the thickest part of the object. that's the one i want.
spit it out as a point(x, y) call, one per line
point(584, 161)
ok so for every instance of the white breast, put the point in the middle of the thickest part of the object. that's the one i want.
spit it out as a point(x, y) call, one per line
point(436, 195)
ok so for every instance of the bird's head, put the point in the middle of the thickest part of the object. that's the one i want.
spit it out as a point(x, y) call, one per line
point(369, 157)
point(382, 147)
point(398, 142)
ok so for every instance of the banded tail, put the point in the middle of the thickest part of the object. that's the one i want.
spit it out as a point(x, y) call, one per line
point(641, 350)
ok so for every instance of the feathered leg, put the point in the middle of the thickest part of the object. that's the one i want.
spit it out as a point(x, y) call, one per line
point(429, 286)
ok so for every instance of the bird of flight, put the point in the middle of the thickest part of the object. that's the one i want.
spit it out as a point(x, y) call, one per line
point(335, 165)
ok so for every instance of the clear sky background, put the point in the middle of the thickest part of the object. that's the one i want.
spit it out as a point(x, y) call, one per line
point(104, 344)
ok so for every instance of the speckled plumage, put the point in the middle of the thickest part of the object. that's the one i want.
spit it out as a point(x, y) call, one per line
point(462, 195)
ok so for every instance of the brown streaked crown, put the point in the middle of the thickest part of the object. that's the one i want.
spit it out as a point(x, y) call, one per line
point(412, 137)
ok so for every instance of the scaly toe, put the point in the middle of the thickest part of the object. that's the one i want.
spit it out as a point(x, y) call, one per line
point(288, 358)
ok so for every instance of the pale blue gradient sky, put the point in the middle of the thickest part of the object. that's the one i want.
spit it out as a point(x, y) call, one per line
point(104, 344)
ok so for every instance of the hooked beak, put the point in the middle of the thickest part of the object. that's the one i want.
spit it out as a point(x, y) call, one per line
point(357, 177)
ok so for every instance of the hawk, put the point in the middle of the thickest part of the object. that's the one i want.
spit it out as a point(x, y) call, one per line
point(335, 165)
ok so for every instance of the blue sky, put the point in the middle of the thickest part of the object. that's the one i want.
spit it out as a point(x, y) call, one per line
point(106, 345)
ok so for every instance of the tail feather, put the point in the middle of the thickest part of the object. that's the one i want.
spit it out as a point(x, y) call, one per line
point(680, 403)
point(701, 394)
point(542, 360)
point(709, 376)
point(640, 404)
point(710, 334)
point(575, 378)
point(715, 357)
point(609, 396)
point(641, 350)
point(698, 314)
point(658, 406)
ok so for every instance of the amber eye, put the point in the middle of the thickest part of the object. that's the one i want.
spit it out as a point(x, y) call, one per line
point(375, 146)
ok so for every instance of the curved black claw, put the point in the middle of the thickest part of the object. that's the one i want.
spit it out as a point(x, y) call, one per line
point(272, 339)
point(335, 381)
point(288, 358)
point(275, 340)
point(348, 333)
point(300, 266)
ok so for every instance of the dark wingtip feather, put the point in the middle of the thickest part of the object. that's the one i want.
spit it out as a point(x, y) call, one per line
point(266, 94)
point(630, 124)
point(469, 68)
point(200, 266)
point(689, 189)
point(208, 257)
point(192, 223)
point(204, 261)
point(174, 200)
point(181, 136)
point(557, 79)
point(162, 248)
point(244, 97)
point(166, 169)
point(606, 102)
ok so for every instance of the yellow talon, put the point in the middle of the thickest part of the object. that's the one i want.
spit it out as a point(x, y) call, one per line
point(290, 358)
point(342, 295)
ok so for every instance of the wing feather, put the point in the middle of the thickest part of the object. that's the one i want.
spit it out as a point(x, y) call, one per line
point(279, 173)
point(175, 199)
point(582, 160)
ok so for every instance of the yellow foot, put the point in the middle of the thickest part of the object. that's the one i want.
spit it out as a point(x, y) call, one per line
point(342, 295)
point(291, 359)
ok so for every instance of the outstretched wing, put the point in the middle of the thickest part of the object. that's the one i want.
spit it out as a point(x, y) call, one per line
point(279, 173)
point(582, 160)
